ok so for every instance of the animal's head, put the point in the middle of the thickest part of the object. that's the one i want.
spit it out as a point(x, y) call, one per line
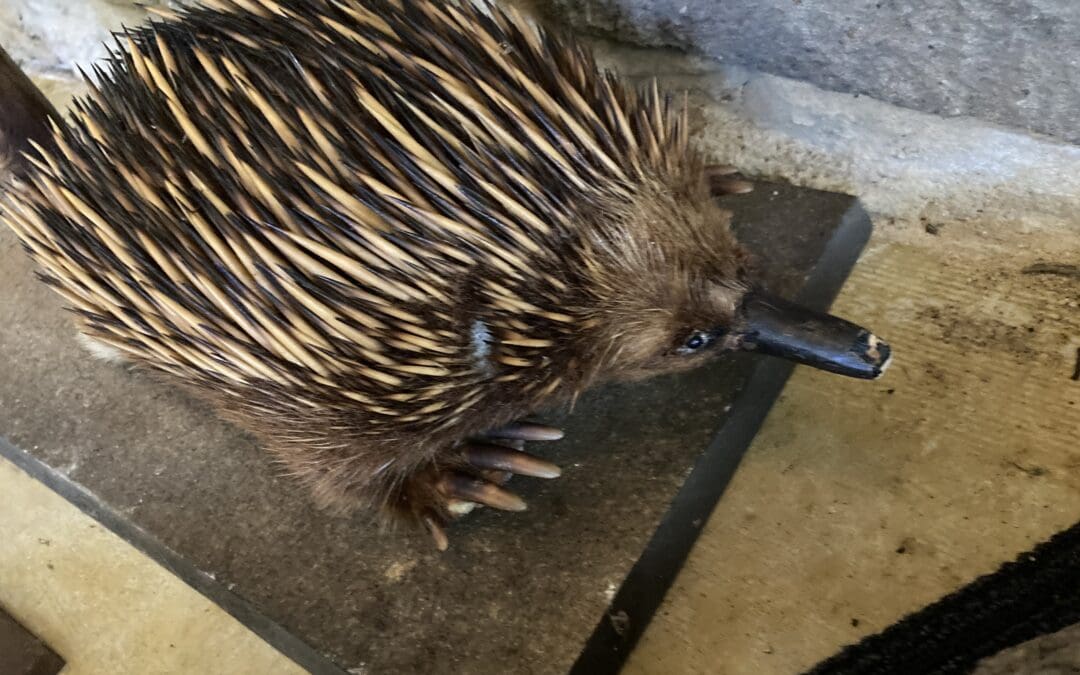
point(669, 291)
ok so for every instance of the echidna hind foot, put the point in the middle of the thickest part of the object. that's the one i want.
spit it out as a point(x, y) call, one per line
point(473, 474)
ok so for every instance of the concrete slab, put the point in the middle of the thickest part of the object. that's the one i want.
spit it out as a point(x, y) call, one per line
point(516, 593)
point(22, 653)
point(1057, 653)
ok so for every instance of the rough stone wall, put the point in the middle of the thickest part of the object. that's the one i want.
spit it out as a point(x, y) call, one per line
point(56, 35)
point(1013, 62)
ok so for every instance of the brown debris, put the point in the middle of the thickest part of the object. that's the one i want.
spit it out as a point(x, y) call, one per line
point(1059, 269)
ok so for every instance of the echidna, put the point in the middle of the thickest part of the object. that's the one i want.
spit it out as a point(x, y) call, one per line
point(371, 232)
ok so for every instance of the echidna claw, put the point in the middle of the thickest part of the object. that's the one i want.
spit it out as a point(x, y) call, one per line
point(714, 170)
point(468, 489)
point(499, 458)
point(435, 529)
point(486, 464)
point(722, 183)
point(526, 431)
point(729, 186)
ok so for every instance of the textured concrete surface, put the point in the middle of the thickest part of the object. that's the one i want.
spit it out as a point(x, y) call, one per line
point(1056, 654)
point(103, 606)
point(1013, 63)
point(58, 35)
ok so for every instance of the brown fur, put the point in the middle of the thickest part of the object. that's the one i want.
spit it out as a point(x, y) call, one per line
point(302, 211)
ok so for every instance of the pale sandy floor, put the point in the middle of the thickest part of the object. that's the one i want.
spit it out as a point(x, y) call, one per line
point(102, 605)
point(860, 502)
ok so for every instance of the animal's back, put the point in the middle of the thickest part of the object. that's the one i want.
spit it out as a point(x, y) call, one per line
point(335, 198)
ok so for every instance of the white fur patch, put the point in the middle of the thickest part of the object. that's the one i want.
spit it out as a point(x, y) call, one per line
point(460, 508)
point(481, 345)
point(100, 350)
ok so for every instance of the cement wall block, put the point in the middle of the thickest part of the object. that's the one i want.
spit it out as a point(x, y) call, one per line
point(55, 36)
point(1013, 62)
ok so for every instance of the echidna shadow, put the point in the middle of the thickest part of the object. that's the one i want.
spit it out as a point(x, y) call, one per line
point(380, 234)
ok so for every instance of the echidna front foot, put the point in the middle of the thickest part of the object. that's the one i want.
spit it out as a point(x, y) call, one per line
point(474, 476)
point(722, 181)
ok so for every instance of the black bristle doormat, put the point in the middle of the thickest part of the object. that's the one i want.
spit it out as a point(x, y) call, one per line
point(1037, 594)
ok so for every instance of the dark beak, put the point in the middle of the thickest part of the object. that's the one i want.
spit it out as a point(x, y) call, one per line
point(773, 326)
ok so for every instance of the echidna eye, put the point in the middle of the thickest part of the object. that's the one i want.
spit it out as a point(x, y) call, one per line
point(695, 342)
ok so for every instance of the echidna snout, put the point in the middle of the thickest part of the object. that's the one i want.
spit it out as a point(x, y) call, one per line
point(377, 234)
